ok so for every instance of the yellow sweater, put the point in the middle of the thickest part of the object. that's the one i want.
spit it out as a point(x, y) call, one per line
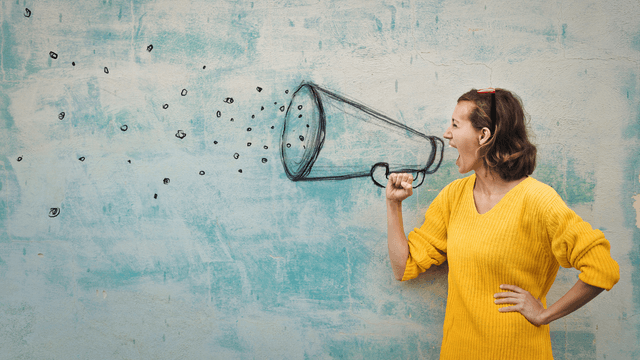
point(520, 241)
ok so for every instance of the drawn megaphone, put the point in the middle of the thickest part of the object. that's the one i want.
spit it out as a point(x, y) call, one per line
point(329, 137)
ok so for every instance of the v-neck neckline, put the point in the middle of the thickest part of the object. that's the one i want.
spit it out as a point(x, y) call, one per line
point(498, 204)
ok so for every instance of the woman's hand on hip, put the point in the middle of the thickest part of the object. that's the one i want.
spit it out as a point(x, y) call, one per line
point(399, 186)
point(523, 302)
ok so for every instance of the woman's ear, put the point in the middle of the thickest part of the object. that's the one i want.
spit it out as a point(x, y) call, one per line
point(485, 135)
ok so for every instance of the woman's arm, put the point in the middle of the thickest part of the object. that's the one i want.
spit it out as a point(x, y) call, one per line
point(398, 189)
point(397, 241)
point(580, 294)
point(532, 309)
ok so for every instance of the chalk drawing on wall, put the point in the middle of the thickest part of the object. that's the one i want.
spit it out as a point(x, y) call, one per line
point(327, 136)
point(53, 212)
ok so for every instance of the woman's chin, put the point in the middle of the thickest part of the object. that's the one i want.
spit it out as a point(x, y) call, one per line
point(461, 168)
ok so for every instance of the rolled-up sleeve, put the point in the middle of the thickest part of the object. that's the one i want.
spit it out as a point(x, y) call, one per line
point(576, 244)
point(428, 244)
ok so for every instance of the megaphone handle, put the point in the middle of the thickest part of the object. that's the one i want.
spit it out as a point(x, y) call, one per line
point(418, 178)
point(386, 173)
point(415, 180)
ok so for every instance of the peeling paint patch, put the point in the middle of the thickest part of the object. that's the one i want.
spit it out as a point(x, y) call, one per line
point(573, 344)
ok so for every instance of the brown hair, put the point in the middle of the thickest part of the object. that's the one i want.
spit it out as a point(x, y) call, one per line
point(508, 151)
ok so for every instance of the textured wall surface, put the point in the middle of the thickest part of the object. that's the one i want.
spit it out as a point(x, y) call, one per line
point(101, 257)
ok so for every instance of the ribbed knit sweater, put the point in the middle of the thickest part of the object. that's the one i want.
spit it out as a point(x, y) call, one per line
point(521, 241)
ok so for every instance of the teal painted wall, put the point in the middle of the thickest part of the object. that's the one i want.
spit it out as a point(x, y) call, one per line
point(243, 265)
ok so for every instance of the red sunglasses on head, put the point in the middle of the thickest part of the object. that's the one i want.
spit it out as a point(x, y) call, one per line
point(491, 91)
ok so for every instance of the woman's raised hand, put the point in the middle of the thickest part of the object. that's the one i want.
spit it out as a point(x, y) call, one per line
point(399, 186)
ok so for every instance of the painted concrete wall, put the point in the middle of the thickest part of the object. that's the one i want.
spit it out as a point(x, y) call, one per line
point(101, 257)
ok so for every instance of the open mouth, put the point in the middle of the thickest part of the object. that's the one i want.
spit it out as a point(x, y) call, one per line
point(450, 155)
point(458, 158)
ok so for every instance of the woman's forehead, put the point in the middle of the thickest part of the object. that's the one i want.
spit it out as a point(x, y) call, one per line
point(462, 111)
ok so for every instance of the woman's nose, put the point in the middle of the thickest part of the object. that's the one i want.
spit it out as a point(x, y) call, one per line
point(447, 133)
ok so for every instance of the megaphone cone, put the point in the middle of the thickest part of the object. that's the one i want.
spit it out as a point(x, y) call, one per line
point(329, 137)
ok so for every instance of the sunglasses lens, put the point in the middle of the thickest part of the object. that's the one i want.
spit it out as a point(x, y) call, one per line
point(487, 90)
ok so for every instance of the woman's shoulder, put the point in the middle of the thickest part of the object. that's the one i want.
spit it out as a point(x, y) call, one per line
point(537, 185)
point(539, 193)
point(457, 187)
point(459, 184)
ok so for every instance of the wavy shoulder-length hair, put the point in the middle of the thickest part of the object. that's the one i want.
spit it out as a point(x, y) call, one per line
point(508, 152)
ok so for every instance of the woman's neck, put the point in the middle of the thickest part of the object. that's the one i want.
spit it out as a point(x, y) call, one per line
point(490, 183)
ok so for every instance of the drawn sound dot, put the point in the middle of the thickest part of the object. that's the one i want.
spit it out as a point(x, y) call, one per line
point(272, 127)
point(73, 63)
point(184, 92)
point(286, 91)
point(231, 119)
point(248, 129)
point(166, 181)
point(264, 160)
point(218, 113)
point(307, 125)
point(53, 55)
point(204, 67)
point(53, 212)
point(81, 159)
point(240, 171)
point(282, 108)
point(288, 145)
point(165, 106)
point(299, 116)
point(236, 156)
point(27, 12)
point(265, 147)
point(301, 138)
point(61, 115)
point(180, 134)
point(106, 70)
point(129, 161)
point(201, 172)
point(215, 143)
point(299, 107)
point(228, 100)
point(155, 196)
point(259, 88)
point(149, 48)
point(248, 144)
point(261, 108)
point(253, 116)
point(19, 158)
point(124, 127)
point(275, 103)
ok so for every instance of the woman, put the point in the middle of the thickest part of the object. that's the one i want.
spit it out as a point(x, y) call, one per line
point(504, 234)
